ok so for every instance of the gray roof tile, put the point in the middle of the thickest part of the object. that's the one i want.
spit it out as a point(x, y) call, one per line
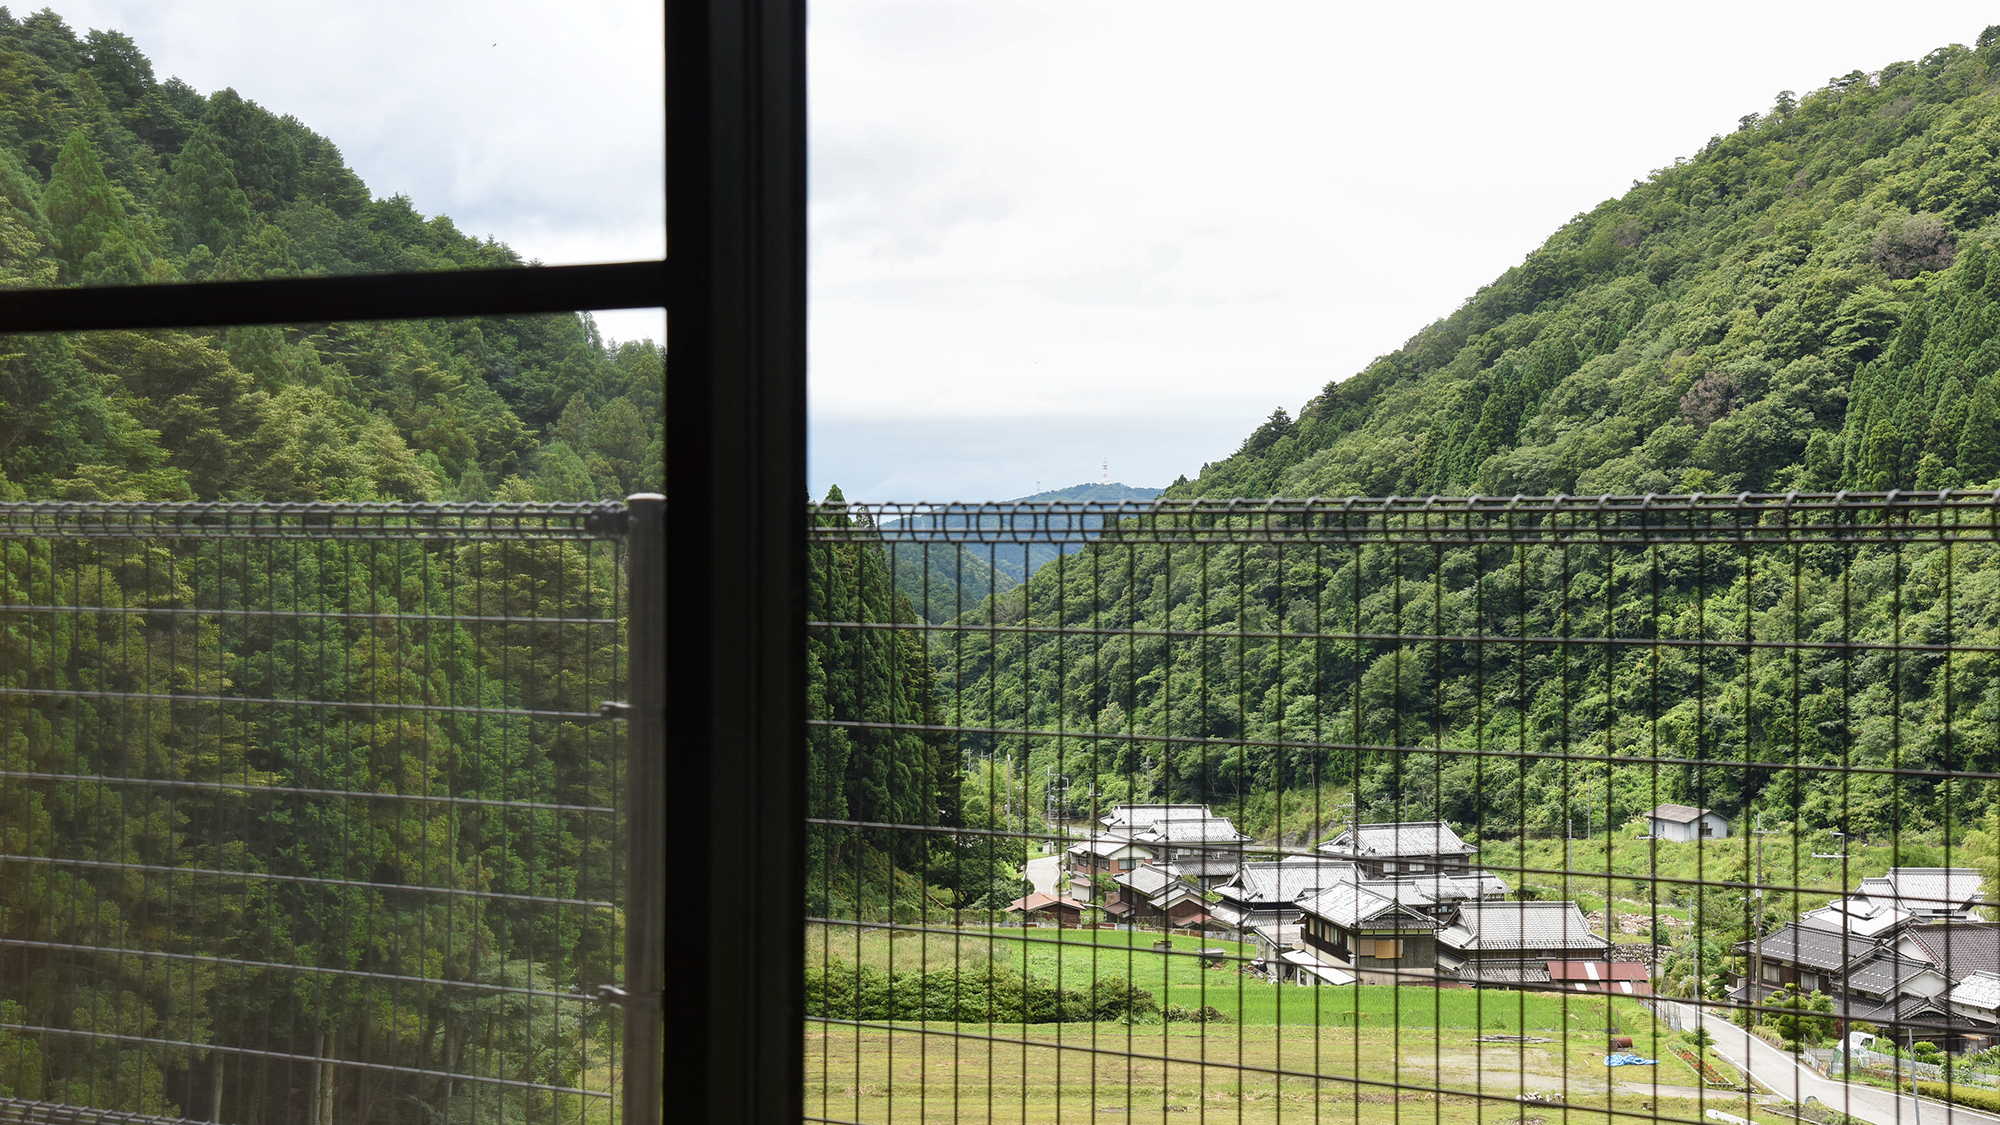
point(1391, 841)
point(1349, 905)
point(1813, 946)
point(1959, 948)
point(1482, 926)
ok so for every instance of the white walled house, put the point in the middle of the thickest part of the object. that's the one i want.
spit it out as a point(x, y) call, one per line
point(1682, 823)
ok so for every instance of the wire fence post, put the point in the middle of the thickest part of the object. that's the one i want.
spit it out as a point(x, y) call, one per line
point(645, 901)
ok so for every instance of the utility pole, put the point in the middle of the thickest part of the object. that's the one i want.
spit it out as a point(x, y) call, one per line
point(1757, 922)
point(1569, 851)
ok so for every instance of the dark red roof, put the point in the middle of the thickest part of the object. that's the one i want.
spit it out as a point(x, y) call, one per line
point(1042, 901)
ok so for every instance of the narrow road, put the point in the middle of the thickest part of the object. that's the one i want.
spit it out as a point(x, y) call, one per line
point(1042, 872)
point(1787, 1077)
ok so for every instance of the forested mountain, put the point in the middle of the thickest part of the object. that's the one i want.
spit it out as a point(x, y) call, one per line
point(945, 579)
point(112, 175)
point(1810, 302)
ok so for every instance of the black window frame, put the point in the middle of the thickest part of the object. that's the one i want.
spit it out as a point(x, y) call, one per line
point(731, 1011)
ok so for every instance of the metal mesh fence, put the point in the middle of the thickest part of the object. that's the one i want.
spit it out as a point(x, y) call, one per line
point(1375, 810)
point(308, 812)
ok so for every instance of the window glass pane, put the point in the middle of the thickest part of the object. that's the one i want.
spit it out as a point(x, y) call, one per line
point(283, 777)
point(151, 142)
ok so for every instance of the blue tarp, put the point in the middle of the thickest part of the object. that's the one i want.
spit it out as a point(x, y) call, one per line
point(1628, 1060)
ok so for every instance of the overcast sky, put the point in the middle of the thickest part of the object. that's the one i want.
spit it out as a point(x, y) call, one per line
point(1047, 233)
point(1050, 233)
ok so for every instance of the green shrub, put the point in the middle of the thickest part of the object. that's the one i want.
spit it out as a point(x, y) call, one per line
point(1988, 1100)
point(1115, 998)
point(988, 994)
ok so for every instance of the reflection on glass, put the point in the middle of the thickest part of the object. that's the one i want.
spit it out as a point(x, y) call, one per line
point(113, 172)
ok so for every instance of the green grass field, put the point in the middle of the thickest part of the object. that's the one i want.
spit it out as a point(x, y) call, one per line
point(1287, 1053)
point(1074, 958)
point(1250, 1074)
point(1632, 863)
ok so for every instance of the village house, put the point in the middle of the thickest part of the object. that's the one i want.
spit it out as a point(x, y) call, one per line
point(1931, 894)
point(1957, 949)
point(1510, 944)
point(1207, 851)
point(1044, 908)
point(1152, 896)
point(1974, 1004)
point(1682, 823)
point(1379, 940)
point(1440, 894)
point(1414, 848)
point(1267, 892)
point(1911, 916)
point(1102, 857)
point(1860, 916)
point(1131, 818)
point(1801, 956)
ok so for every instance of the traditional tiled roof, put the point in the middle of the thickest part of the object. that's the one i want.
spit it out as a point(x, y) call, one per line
point(1507, 972)
point(1858, 916)
point(1435, 887)
point(1676, 814)
point(1286, 881)
point(1146, 879)
point(1191, 830)
point(1901, 1009)
point(1177, 893)
point(1812, 946)
point(1927, 888)
point(1280, 936)
point(1349, 905)
point(1980, 989)
point(1958, 948)
point(1228, 913)
point(1139, 816)
point(1884, 973)
point(1206, 865)
point(1414, 839)
point(1483, 926)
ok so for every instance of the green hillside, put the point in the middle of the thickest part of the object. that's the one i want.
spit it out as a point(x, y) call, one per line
point(1811, 302)
point(943, 580)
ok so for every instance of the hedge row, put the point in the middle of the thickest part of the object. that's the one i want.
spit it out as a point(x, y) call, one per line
point(837, 990)
point(1977, 1098)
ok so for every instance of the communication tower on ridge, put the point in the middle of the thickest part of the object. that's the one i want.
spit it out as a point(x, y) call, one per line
point(1107, 470)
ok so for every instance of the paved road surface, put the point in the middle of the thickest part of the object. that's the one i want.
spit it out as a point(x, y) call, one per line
point(1042, 871)
point(1785, 1076)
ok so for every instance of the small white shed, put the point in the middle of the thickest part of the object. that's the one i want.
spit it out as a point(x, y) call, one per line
point(1685, 822)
